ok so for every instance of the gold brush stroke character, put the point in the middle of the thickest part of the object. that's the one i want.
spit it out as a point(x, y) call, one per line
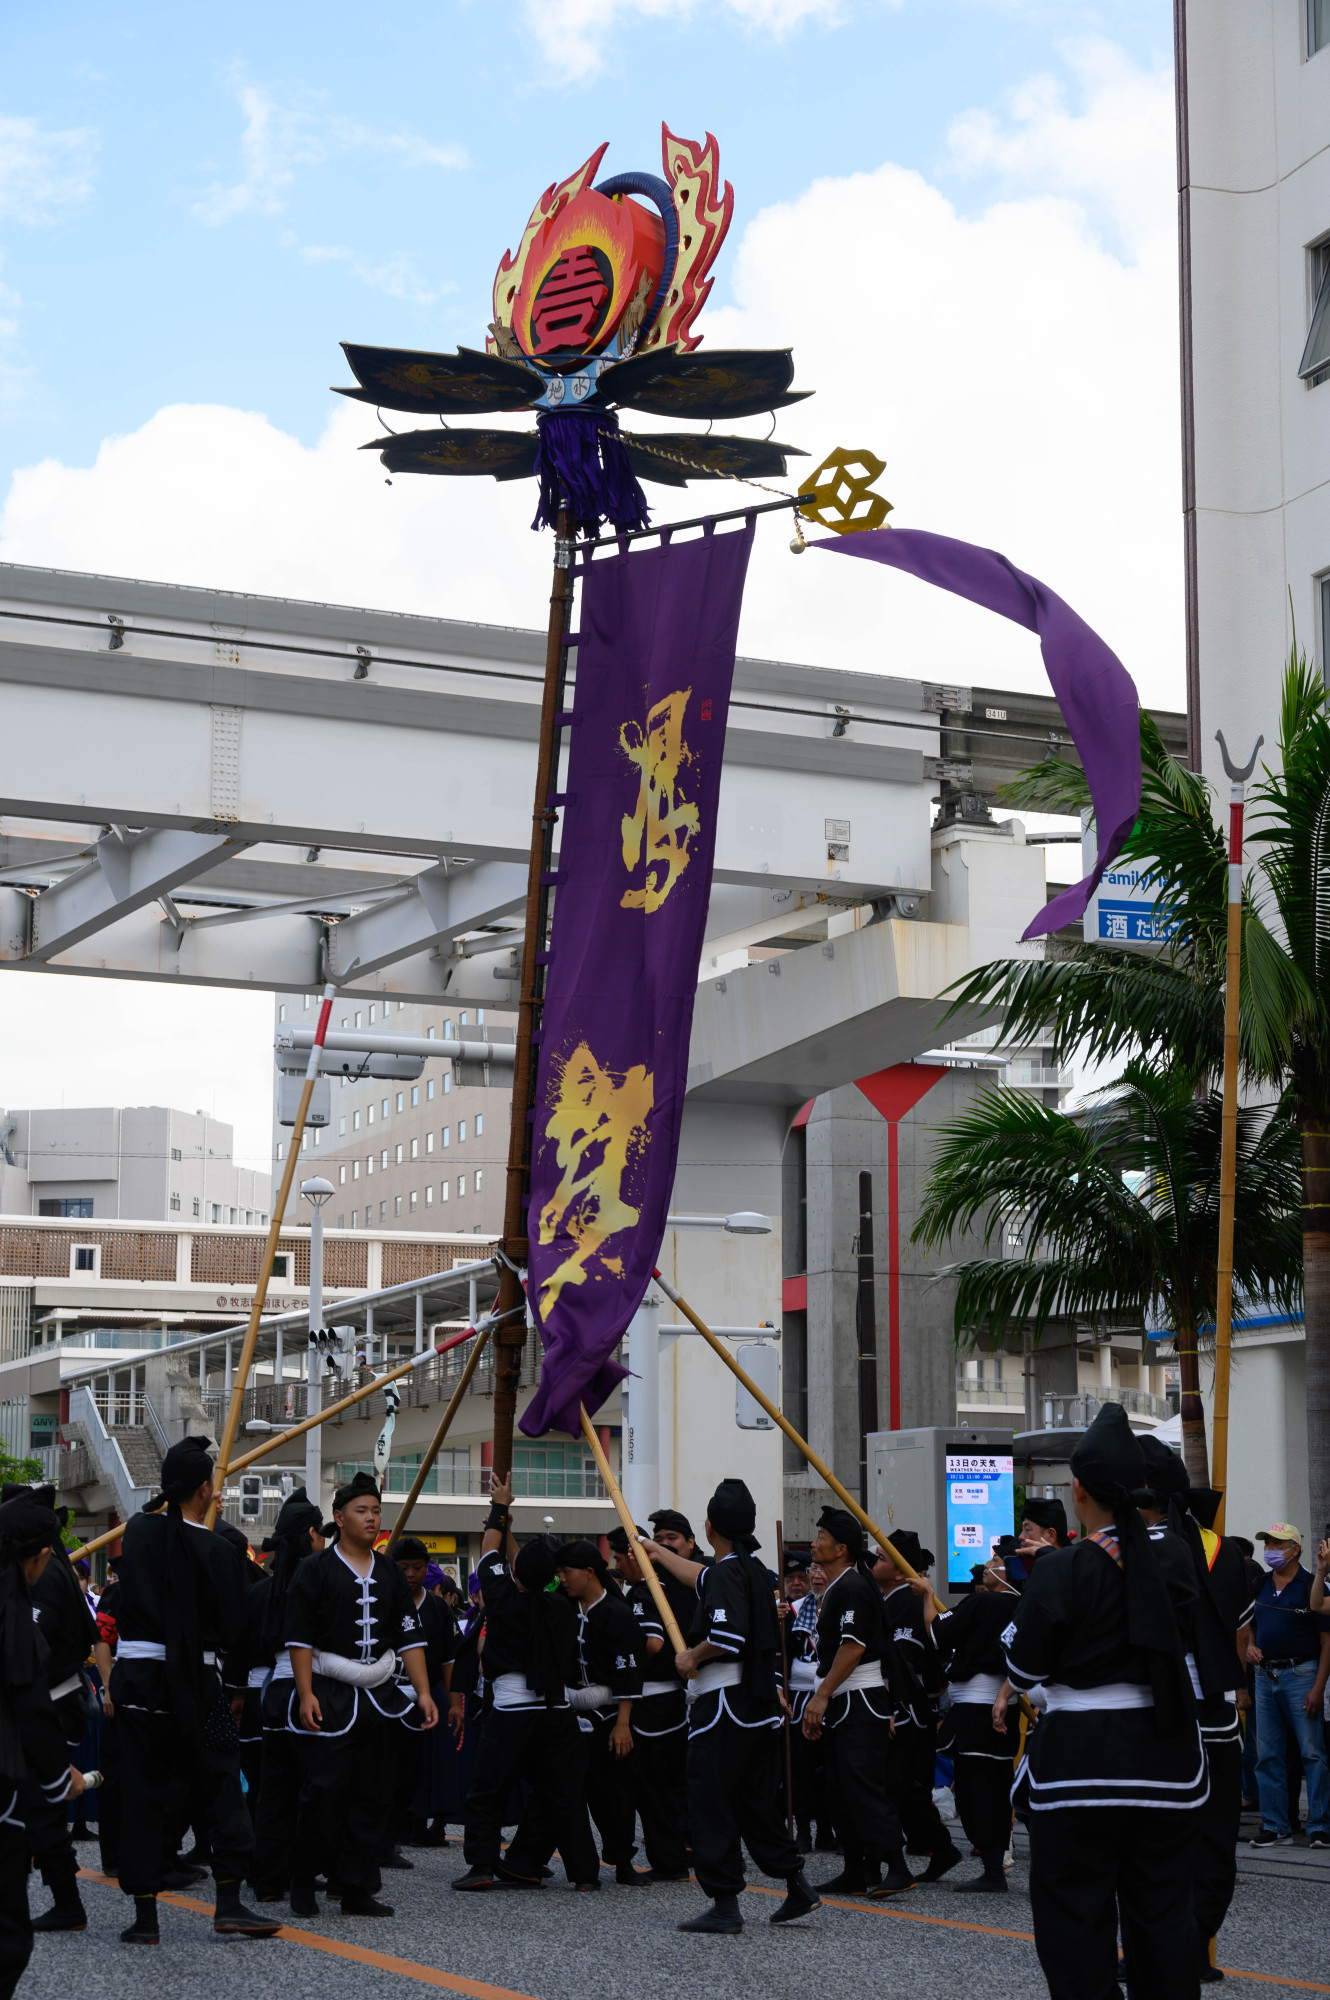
point(599, 1124)
point(661, 819)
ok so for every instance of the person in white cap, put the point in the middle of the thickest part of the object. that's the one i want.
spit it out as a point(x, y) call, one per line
point(1291, 1653)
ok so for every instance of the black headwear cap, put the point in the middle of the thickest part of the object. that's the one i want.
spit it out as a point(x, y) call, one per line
point(1165, 1473)
point(1110, 1465)
point(842, 1527)
point(1203, 1504)
point(298, 1519)
point(355, 1489)
point(1047, 1514)
point(184, 1470)
point(410, 1549)
point(673, 1522)
point(908, 1546)
point(733, 1511)
point(298, 1515)
point(619, 1542)
point(581, 1555)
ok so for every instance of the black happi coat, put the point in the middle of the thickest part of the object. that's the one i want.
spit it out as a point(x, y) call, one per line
point(64, 1618)
point(331, 1609)
point(508, 1631)
point(851, 1608)
point(221, 1593)
point(969, 1643)
point(660, 1710)
point(1070, 1632)
point(1224, 1605)
point(33, 1727)
point(736, 1612)
point(610, 1650)
point(250, 1663)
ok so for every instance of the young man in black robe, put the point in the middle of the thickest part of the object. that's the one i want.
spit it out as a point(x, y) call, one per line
point(441, 1642)
point(734, 1761)
point(529, 1730)
point(34, 1754)
point(659, 1716)
point(182, 1603)
point(349, 1617)
point(297, 1533)
point(1116, 1765)
point(852, 1706)
point(975, 1732)
point(916, 1679)
point(64, 1617)
point(1224, 1609)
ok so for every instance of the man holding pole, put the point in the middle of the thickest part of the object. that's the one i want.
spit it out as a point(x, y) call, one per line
point(660, 1717)
point(733, 1746)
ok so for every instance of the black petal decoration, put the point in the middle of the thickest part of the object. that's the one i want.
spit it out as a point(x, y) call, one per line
point(502, 454)
point(461, 384)
point(739, 382)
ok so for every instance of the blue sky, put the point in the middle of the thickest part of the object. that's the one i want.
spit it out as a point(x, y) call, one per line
point(197, 203)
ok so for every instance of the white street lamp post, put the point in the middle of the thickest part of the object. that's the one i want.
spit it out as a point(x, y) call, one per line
point(316, 1192)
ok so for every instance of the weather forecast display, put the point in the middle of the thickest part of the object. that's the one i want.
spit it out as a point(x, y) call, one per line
point(981, 1508)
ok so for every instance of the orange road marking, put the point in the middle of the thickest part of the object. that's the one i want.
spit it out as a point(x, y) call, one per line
point(424, 1975)
point(1024, 1937)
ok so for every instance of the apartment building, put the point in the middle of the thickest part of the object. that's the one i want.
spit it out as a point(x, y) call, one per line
point(140, 1163)
point(423, 1155)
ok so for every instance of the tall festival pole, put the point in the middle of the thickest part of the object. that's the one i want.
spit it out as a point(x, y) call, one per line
point(1228, 1155)
point(509, 1306)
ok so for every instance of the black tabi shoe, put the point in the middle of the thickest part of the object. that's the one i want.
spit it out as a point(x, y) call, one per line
point(894, 1883)
point(941, 1864)
point(395, 1860)
point(800, 1898)
point(982, 1885)
point(1210, 1975)
point(850, 1882)
point(628, 1877)
point(182, 1876)
point(722, 1918)
point(267, 1895)
point(359, 1903)
point(144, 1929)
point(663, 1875)
point(476, 1878)
point(232, 1919)
point(64, 1915)
point(514, 1875)
point(304, 1903)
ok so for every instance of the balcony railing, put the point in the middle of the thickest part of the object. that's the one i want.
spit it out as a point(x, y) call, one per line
point(570, 1482)
point(998, 1395)
point(1061, 1411)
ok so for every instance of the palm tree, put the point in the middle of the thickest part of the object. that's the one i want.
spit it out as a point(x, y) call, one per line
point(1169, 1004)
point(1119, 1209)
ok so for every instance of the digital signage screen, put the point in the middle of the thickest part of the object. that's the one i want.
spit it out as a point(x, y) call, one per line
point(981, 1508)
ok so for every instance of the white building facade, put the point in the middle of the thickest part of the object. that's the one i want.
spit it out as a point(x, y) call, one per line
point(139, 1163)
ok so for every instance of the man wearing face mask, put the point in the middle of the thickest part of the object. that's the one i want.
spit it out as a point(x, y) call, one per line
point(1291, 1653)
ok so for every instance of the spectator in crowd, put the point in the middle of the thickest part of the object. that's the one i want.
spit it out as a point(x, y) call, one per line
point(1291, 1653)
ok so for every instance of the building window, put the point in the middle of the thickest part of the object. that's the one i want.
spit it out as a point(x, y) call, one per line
point(341, 1175)
point(412, 1202)
point(355, 1170)
point(341, 1123)
point(415, 1149)
point(401, 1100)
point(443, 1190)
point(196, 1205)
point(369, 1163)
point(479, 1179)
point(415, 1093)
point(447, 1081)
point(480, 1123)
point(383, 1109)
point(461, 1131)
point(399, 1156)
point(429, 1195)
point(318, 1135)
point(304, 1002)
point(461, 1186)
point(175, 1203)
point(217, 1209)
point(357, 1020)
point(383, 1158)
point(397, 1204)
point(429, 1142)
point(1314, 366)
point(447, 1135)
point(383, 1211)
point(429, 1090)
point(1318, 25)
point(341, 1222)
point(369, 1114)
point(387, 1008)
point(355, 1121)
point(461, 1020)
point(281, 1013)
point(175, 1152)
point(77, 1206)
point(281, 1265)
point(373, 1015)
point(85, 1257)
point(354, 1213)
point(279, 1149)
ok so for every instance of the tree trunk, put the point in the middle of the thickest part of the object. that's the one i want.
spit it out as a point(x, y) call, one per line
point(1194, 1454)
point(1315, 1123)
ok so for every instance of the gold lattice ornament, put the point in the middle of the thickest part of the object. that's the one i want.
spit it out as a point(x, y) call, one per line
point(839, 494)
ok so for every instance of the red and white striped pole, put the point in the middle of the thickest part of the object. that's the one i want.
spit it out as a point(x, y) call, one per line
point(1228, 1155)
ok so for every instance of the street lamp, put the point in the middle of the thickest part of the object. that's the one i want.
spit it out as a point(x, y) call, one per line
point(316, 1192)
point(641, 1389)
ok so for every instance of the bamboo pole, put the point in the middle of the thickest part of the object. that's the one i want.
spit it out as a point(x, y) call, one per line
point(785, 1678)
point(1228, 1152)
point(250, 1341)
point(643, 1560)
point(801, 1444)
point(445, 1424)
point(544, 815)
point(279, 1438)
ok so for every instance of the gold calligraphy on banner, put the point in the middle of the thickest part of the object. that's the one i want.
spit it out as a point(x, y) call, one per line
point(598, 1122)
point(663, 822)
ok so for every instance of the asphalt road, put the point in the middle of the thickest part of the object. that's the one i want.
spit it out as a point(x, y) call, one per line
point(552, 1945)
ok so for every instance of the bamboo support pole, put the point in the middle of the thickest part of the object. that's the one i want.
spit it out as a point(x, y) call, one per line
point(800, 1444)
point(640, 1556)
point(250, 1341)
point(279, 1438)
point(445, 1424)
point(1228, 1151)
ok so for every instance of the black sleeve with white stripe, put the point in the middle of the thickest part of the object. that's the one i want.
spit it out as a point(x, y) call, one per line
point(725, 1608)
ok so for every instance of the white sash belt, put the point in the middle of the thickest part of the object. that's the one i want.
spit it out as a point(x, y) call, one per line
point(716, 1674)
point(1113, 1694)
point(65, 1687)
point(582, 1700)
point(356, 1673)
point(661, 1687)
point(515, 1691)
point(868, 1675)
point(803, 1674)
point(283, 1671)
point(982, 1689)
point(151, 1649)
point(258, 1677)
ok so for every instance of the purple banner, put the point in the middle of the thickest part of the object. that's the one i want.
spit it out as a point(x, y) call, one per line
point(655, 658)
point(1095, 692)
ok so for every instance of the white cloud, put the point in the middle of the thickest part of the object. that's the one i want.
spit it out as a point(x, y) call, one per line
point(278, 138)
point(573, 35)
point(42, 172)
point(399, 276)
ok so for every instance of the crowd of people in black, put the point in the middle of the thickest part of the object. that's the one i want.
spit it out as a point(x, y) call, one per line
point(310, 1710)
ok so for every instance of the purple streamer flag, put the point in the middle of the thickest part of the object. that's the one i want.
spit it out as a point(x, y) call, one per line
point(1095, 692)
point(655, 658)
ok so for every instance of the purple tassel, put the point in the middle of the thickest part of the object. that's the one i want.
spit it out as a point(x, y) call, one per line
point(582, 464)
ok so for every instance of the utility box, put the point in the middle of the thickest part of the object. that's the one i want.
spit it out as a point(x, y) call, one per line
point(953, 1486)
point(289, 1087)
point(761, 1363)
